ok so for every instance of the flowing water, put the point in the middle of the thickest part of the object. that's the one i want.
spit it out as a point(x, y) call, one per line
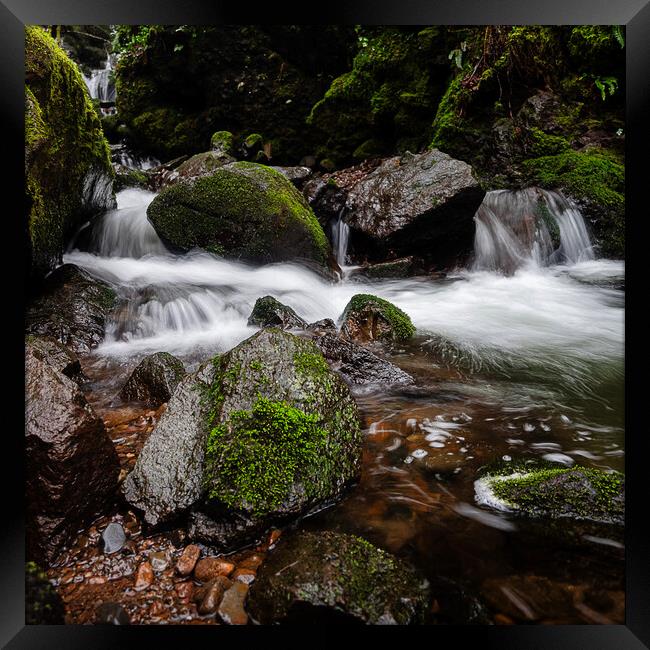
point(101, 85)
point(520, 355)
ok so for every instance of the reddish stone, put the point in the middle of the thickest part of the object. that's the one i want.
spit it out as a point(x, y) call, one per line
point(210, 567)
point(188, 559)
point(251, 562)
point(144, 576)
point(231, 610)
point(213, 595)
point(185, 591)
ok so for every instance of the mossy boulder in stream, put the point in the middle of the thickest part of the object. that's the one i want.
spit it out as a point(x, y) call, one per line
point(264, 433)
point(67, 160)
point(269, 312)
point(330, 577)
point(549, 490)
point(369, 318)
point(244, 211)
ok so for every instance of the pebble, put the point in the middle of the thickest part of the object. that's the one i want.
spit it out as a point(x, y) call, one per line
point(213, 594)
point(188, 559)
point(247, 576)
point(209, 568)
point(185, 591)
point(159, 561)
point(274, 536)
point(251, 562)
point(97, 580)
point(231, 610)
point(113, 538)
point(144, 576)
point(157, 608)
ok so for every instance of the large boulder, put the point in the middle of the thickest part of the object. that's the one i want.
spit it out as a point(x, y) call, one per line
point(154, 379)
point(71, 465)
point(330, 577)
point(548, 490)
point(244, 211)
point(370, 318)
point(416, 204)
point(73, 308)
point(263, 433)
point(67, 160)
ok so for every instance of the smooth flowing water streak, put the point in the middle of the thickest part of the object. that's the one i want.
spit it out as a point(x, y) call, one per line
point(563, 321)
point(529, 226)
point(340, 238)
point(101, 83)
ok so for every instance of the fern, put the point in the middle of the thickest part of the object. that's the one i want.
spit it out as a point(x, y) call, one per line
point(617, 30)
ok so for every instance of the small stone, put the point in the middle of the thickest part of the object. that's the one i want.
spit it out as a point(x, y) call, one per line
point(251, 562)
point(113, 538)
point(231, 610)
point(97, 580)
point(247, 576)
point(275, 535)
point(210, 567)
point(111, 614)
point(185, 591)
point(213, 595)
point(157, 608)
point(159, 561)
point(188, 559)
point(144, 576)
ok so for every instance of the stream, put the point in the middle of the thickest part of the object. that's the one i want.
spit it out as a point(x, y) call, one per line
point(518, 355)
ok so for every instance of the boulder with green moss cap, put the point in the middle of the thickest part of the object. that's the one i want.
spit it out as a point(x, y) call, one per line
point(369, 318)
point(329, 577)
point(263, 433)
point(249, 211)
point(67, 159)
point(221, 142)
point(552, 490)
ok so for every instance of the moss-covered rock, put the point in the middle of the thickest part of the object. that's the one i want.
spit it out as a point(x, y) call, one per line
point(330, 577)
point(222, 142)
point(269, 312)
point(67, 160)
point(43, 605)
point(154, 379)
point(262, 433)
point(549, 490)
point(369, 318)
point(249, 211)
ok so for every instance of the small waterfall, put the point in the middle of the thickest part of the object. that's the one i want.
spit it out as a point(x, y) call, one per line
point(340, 237)
point(101, 86)
point(530, 226)
point(124, 232)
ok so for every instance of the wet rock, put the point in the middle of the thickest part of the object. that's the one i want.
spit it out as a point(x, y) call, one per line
point(129, 177)
point(209, 568)
point(71, 464)
point(185, 591)
point(72, 308)
point(276, 392)
point(159, 561)
point(111, 614)
point(56, 355)
point(198, 166)
point(326, 199)
point(323, 326)
point(154, 380)
point(188, 559)
point(244, 211)
point(416, 204)
point(43, 605)
point(113, 538)
point(401, 268)
point(327, 576)
point(269, 312)
point(214, 592)
point(357, 364)
point(552, 490)
point(297, 175)
point(251, 562)
point(144, 576)
point(369, 318)
point(231, 610)
point(247, 576)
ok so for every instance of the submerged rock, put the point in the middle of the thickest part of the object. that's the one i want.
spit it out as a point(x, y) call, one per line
point(69, 177)
point(267, 431)
point(369, 318)
point(357, 364)
point(71, 464)
point(43, 605)
point(243, 211)
point(73, 309)
point(154, 380)
point(269, 312)
point(555, 491)
point(329, 577)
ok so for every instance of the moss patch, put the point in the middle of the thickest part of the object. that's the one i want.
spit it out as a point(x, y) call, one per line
point(363, 307)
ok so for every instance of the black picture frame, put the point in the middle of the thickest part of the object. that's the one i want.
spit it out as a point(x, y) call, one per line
point(634, 14)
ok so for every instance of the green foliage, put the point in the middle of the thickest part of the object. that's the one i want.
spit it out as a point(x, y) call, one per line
point(606, 86)
point(260, 454)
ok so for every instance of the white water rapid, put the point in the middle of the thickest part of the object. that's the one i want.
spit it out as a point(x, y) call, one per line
point(564, 320)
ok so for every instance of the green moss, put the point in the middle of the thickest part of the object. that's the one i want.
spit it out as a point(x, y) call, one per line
point(545, 144)
point(253, 142)
point(250, 210)
point(64, 146)
point(311, 364)
point(582, 492)
point(401, 326)
point(222, 141)
point(261, 454)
